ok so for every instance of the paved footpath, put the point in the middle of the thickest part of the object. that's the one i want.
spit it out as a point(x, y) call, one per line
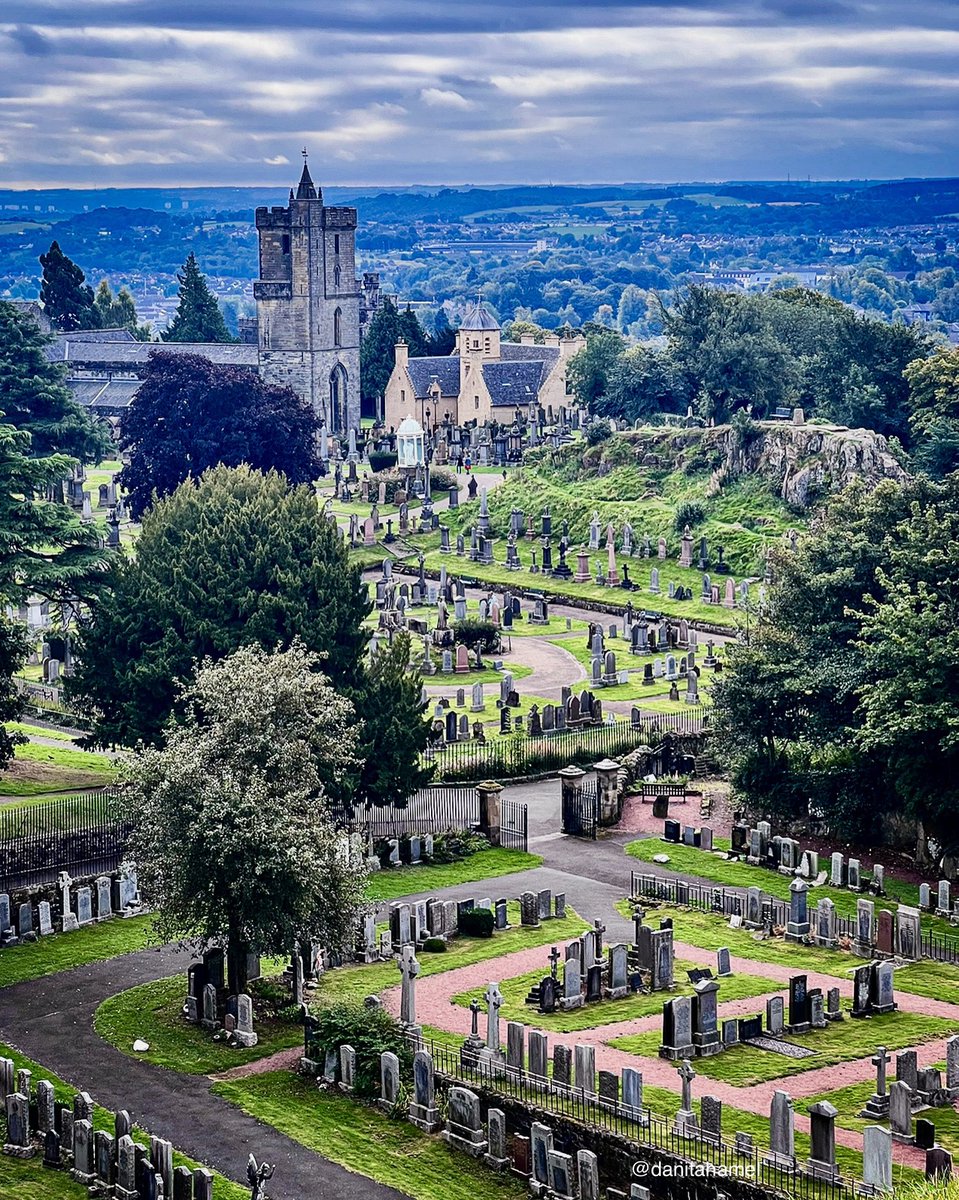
point(51, 1020)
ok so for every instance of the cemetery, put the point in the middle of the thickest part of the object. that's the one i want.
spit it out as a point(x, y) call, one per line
point(561, 962)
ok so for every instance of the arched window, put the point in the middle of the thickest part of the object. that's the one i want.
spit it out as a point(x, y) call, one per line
point(338, 383)
point(336, 243)
point(336, 278)
point(338, 328)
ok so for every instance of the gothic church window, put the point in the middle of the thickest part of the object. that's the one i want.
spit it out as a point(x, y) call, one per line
point(338, 328)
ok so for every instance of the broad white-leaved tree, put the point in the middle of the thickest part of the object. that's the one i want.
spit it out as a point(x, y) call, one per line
point(234, 837)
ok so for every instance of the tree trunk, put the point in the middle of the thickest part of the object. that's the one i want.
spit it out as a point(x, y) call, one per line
point(237, 953)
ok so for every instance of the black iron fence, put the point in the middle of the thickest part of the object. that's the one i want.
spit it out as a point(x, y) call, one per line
point(514, 825)
point(581, 812)
point(544, 1097)
point(82, 834)
point(517, 755)
point(729, 903)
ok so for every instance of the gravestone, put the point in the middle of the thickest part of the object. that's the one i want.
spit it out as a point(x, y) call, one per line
point(464, 1128)
point(782, 1135)
point(821, 1163)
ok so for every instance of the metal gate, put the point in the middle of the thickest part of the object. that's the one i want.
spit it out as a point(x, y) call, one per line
point(514, 828)
point(580, 811)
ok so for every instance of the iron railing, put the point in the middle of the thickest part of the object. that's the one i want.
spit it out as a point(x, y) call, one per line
point(82, 834)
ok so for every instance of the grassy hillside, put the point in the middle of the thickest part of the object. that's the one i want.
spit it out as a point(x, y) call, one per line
point(644, 476)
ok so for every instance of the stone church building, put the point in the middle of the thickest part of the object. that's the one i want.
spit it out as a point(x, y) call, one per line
point(484, 379)
point(310, 314)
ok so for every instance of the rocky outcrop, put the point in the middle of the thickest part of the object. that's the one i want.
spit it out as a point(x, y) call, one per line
point(810, 461)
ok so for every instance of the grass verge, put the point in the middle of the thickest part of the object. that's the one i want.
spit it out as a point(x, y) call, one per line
point(28, 1180)
point(152, 1011)
point(364, 1140)
point(608, 1012)
point(486, 864)
point(64, 951)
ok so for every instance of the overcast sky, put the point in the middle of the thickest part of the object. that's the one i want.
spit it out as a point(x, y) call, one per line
point(179, 92)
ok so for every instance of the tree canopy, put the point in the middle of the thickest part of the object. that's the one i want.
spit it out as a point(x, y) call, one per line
point(118, 311)
point(841, 706)
point(66, 297)
point(34, 397)
point(233, 833)
point(190, 414)
point(378, 349)
point(198, 317)
point(233, 558)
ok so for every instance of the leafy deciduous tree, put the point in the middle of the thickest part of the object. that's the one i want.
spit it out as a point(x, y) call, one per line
point(233, 833)
point(190, 414)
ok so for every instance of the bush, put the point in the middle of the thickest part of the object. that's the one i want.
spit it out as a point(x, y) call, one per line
point(382, 460)
point(598, 431)
point(434, 946)
point(441, 480)
point(370, 1031)
point(476, 922)
point(691, 513)
point(457, 844)
point(472, 632)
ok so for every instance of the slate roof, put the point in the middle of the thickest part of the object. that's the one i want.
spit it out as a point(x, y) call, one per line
point(547, 355)
point(104, 393)
point(479, 318)
point(515, 383)
point(447, 369)
point(130, 355)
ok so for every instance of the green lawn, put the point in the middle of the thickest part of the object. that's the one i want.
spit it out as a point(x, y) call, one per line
point(452, 681)
point(607, 1012)
point(35, 1182)
point(366, 1141)
point(47, 731)
point(63, 951)
point(841, 1041)
point(37, 768)
point(688, 860)
point(566, 591)
point(850, 1101)
point(355, 982)
point(486, 864)
point(935, 980)
point(152, 1011)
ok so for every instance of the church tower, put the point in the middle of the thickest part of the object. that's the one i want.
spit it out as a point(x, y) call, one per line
point(308, 303)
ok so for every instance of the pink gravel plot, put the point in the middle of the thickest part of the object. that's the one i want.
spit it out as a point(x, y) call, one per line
point(434, 1006)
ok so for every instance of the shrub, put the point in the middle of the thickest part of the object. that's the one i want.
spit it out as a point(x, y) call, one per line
point(476, 922)
point(441, 480)
point(472, 632)
point(598, 431)
point(370, 1031)
point(434, 946)
point(691, 513)
point(457, 844)
point(382, 460)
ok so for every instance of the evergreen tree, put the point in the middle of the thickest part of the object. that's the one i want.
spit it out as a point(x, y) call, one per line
point(67, 299)
point(378, 353)
point(442, 341)
point(44, 549)
point(412, 332)
point(119, 311)
point(233, 558)
point(198, 317)
point(34, 398)
point(394, 730)
point(190, 414)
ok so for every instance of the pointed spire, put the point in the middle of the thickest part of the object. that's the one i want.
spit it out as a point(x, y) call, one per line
point(305, 189)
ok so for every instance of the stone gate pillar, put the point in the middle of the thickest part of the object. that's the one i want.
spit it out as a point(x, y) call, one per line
point(489, 810)
point(607, 791)
point(571, 780)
